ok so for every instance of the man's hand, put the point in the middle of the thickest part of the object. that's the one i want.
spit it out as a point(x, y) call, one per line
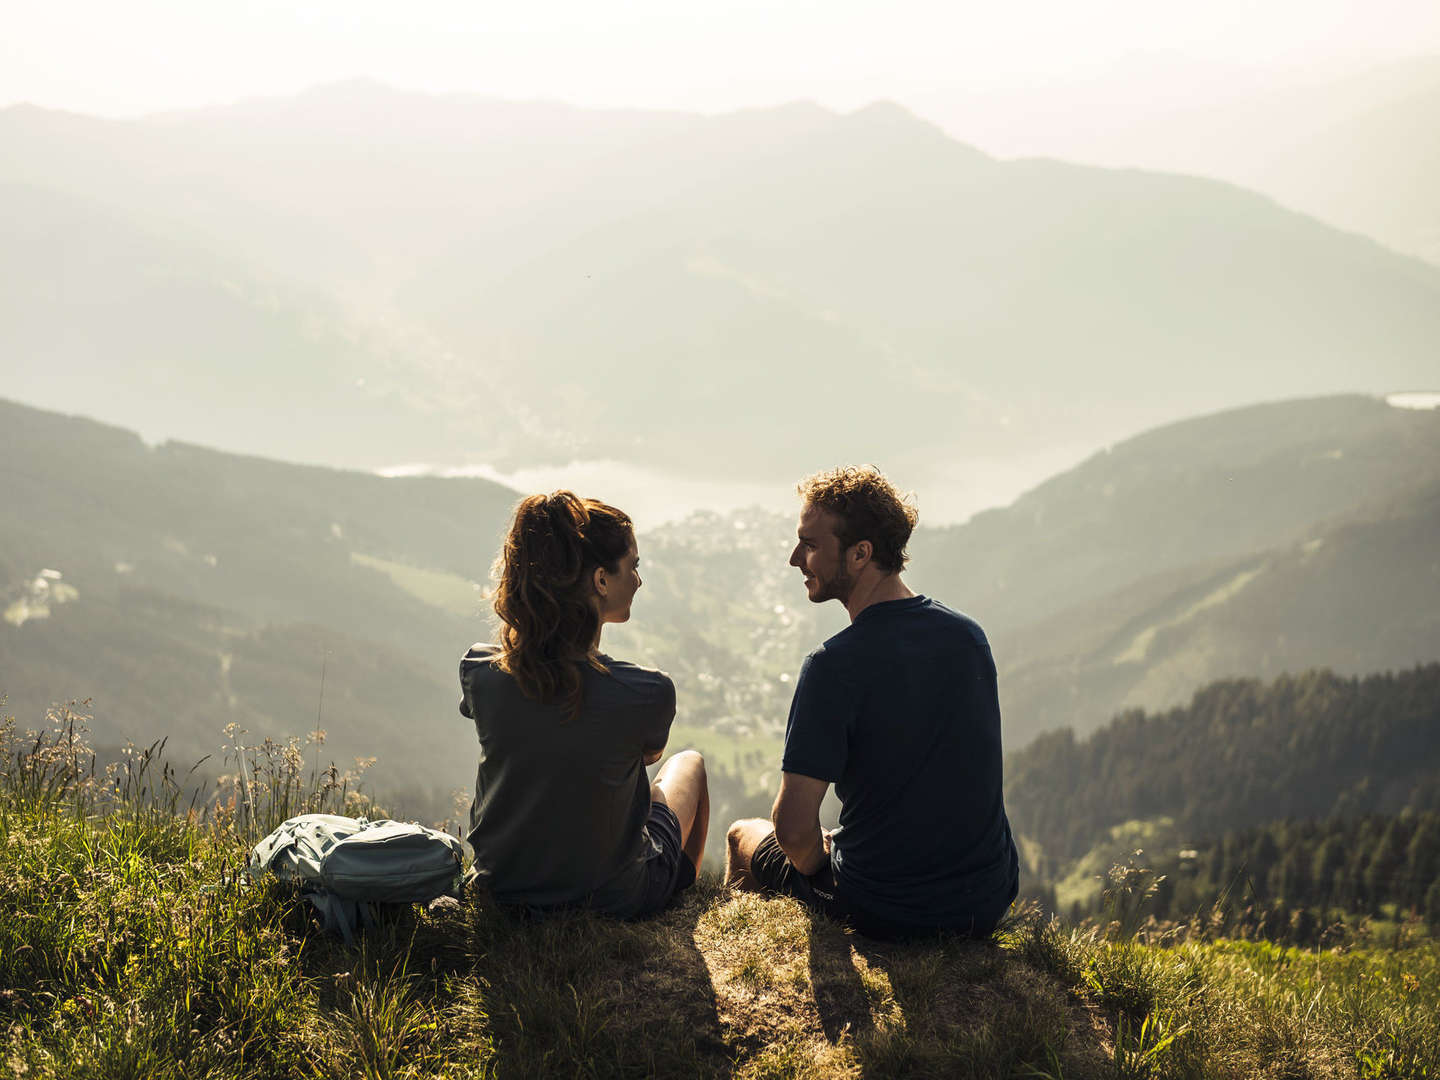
point(651, 756)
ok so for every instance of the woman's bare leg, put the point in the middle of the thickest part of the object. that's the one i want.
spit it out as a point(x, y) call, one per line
point(681, 785)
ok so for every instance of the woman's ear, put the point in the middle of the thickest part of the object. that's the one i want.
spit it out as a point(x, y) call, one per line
point(598, 580)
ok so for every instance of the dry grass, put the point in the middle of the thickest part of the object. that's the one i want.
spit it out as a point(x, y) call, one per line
point(129, 947)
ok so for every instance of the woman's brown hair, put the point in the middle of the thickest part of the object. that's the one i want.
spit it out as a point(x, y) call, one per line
point(544, 595)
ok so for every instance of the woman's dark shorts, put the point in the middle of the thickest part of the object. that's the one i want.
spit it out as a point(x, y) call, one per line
point(777, 874)
point(668, 870)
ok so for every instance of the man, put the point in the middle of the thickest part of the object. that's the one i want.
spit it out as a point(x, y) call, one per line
point(899, 712)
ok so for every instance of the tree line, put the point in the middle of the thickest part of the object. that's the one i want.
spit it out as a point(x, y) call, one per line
point(1310, 747)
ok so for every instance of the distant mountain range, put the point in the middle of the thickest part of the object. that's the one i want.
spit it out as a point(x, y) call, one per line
point(1355, 149)
point(1256, 541)
point(198, 588)
point(358, 276)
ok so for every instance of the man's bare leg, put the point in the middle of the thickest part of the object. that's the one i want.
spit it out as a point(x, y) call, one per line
point(741, 841)
point(681, 785)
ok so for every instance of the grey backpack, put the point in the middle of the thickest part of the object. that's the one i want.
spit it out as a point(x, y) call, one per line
point(345, 866)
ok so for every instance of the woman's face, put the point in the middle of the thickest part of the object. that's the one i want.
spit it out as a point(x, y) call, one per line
point(616, 590)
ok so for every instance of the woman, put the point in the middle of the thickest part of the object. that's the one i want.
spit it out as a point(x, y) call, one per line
point(563, 813)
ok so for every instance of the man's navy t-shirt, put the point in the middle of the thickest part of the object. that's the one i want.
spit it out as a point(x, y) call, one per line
point(899, 711)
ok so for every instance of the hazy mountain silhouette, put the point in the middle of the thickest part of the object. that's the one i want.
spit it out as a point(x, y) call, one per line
point(1357, 149)
point(1209, 488)
point(714, 292)
point(113, 315)
point(1355, 597)
point(1256, 541)
point(1376, 173)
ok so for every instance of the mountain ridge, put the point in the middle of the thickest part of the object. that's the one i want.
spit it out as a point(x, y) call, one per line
point(1001, 303)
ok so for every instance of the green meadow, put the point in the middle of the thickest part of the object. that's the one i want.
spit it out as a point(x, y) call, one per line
point(133, 945)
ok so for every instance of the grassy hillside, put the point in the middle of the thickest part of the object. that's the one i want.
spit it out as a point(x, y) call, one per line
point(131, 947)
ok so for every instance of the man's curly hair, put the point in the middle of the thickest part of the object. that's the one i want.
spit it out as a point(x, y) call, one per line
point(867, 507)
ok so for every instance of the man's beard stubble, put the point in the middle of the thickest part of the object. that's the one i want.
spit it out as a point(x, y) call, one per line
point(835, 588)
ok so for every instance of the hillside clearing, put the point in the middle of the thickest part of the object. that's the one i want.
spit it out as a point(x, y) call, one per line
point(133, 945)
point(134, 951)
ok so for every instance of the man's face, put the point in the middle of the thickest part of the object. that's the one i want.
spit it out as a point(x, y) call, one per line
point(819, 557)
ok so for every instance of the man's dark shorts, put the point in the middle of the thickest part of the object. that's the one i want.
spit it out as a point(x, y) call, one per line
point(776, 874)
point(668, 870)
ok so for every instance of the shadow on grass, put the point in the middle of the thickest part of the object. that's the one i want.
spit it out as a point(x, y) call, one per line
point(579, 994)
point(945, 1006)
point(472, 989)
point(844, 1008)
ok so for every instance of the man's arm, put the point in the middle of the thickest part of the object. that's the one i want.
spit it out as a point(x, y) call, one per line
point(796, 818)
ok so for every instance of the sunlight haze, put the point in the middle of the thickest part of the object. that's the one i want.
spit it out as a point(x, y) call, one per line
point(143, 57)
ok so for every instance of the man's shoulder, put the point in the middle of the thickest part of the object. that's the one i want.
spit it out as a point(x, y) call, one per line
point(832, 667)
point(917, 628)
point(956, 620)
point(831, 654)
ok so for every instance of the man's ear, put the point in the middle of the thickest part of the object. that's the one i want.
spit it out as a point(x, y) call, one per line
point(861, 552)
point(598, 580)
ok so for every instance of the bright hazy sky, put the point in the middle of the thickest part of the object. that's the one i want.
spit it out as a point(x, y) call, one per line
point(137, 56)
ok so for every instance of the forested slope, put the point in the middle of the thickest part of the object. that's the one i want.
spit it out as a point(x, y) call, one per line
point(1242, 753)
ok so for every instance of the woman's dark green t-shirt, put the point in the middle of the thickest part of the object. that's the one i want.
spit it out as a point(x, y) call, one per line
point(561, 802)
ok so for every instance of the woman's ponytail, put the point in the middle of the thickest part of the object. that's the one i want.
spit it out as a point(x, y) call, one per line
point(543, 596)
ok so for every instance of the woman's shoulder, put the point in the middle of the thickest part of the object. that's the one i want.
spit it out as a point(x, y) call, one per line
point(479, 656)
point(646, 684)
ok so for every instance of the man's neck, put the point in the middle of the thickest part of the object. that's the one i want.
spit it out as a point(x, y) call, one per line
point(878, 589)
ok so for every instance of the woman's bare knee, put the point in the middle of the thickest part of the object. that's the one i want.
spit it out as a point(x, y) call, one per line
point(688, 761)
point(681, 785)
